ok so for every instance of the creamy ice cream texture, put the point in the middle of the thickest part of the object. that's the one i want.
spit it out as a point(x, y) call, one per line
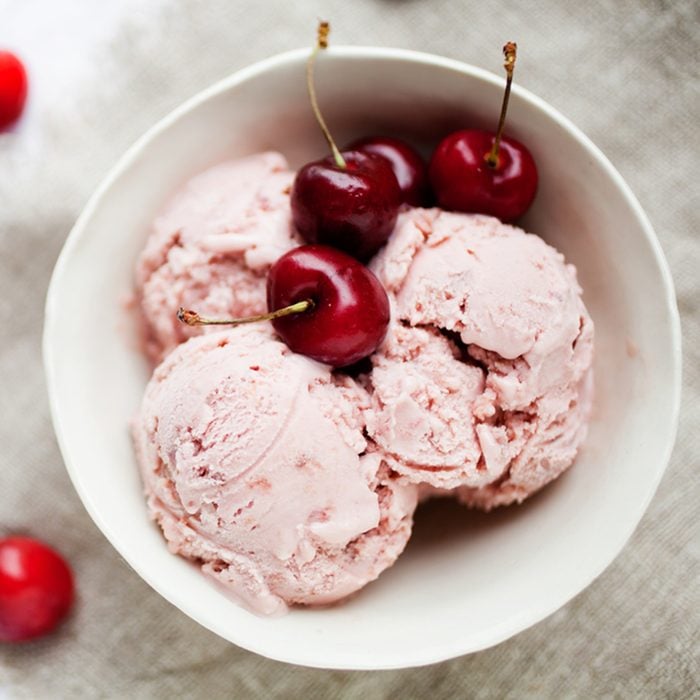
point(211, 246)
point(484, 380)
point(255, 465)
point(290, 484)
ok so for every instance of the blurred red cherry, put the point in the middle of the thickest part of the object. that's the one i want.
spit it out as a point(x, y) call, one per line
point(13, 88)
point(36, 589)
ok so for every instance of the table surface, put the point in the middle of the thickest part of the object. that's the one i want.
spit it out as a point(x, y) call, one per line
point(625, 71)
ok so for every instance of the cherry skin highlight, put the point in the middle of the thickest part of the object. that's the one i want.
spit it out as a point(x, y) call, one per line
point(408, 166)
point(36, 589)
point(352, 208)
point(13, 88)
point(350, 312)
point(463, 180)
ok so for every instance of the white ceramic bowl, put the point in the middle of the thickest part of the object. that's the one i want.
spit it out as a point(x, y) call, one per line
point(466, 581)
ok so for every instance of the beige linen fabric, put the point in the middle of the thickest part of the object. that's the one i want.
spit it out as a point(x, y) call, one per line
point(625, 71)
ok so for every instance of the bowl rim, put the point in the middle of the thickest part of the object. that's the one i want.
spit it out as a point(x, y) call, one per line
point(298, 655)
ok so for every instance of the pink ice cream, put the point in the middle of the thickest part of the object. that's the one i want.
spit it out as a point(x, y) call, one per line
point(484, 381)
point(255, 466)
point(211, 246)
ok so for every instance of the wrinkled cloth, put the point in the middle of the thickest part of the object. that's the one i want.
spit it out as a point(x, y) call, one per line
point(625, 72)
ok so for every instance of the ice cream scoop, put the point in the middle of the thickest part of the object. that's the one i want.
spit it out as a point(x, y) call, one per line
point(255, 466)
point(484, 381)
point(211, 246)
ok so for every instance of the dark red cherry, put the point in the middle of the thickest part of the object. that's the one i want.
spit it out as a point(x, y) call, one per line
point(479, 171)
point(407, 164)
point(36, 589)
point(353, 208)
point(350, 312)
point(349, 200)
point(463, 179)
point(13, 88)
point(323, 303)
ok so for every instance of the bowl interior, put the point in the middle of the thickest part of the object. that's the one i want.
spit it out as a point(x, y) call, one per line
point(467, 580)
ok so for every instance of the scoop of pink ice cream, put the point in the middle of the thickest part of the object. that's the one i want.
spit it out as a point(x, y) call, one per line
point(211, 246)
point(484, 380)
point(255, 465)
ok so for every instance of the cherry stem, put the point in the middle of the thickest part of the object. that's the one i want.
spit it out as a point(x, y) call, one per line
point(509, 51)
point(321, 43)
point(192, 318)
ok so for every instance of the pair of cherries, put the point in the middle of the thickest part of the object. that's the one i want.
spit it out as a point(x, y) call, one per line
point(324, 302)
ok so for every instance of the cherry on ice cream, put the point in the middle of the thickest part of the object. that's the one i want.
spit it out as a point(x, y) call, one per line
point(408, 166)
point(323, 303)
point(477, 171)
point(349, 200)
